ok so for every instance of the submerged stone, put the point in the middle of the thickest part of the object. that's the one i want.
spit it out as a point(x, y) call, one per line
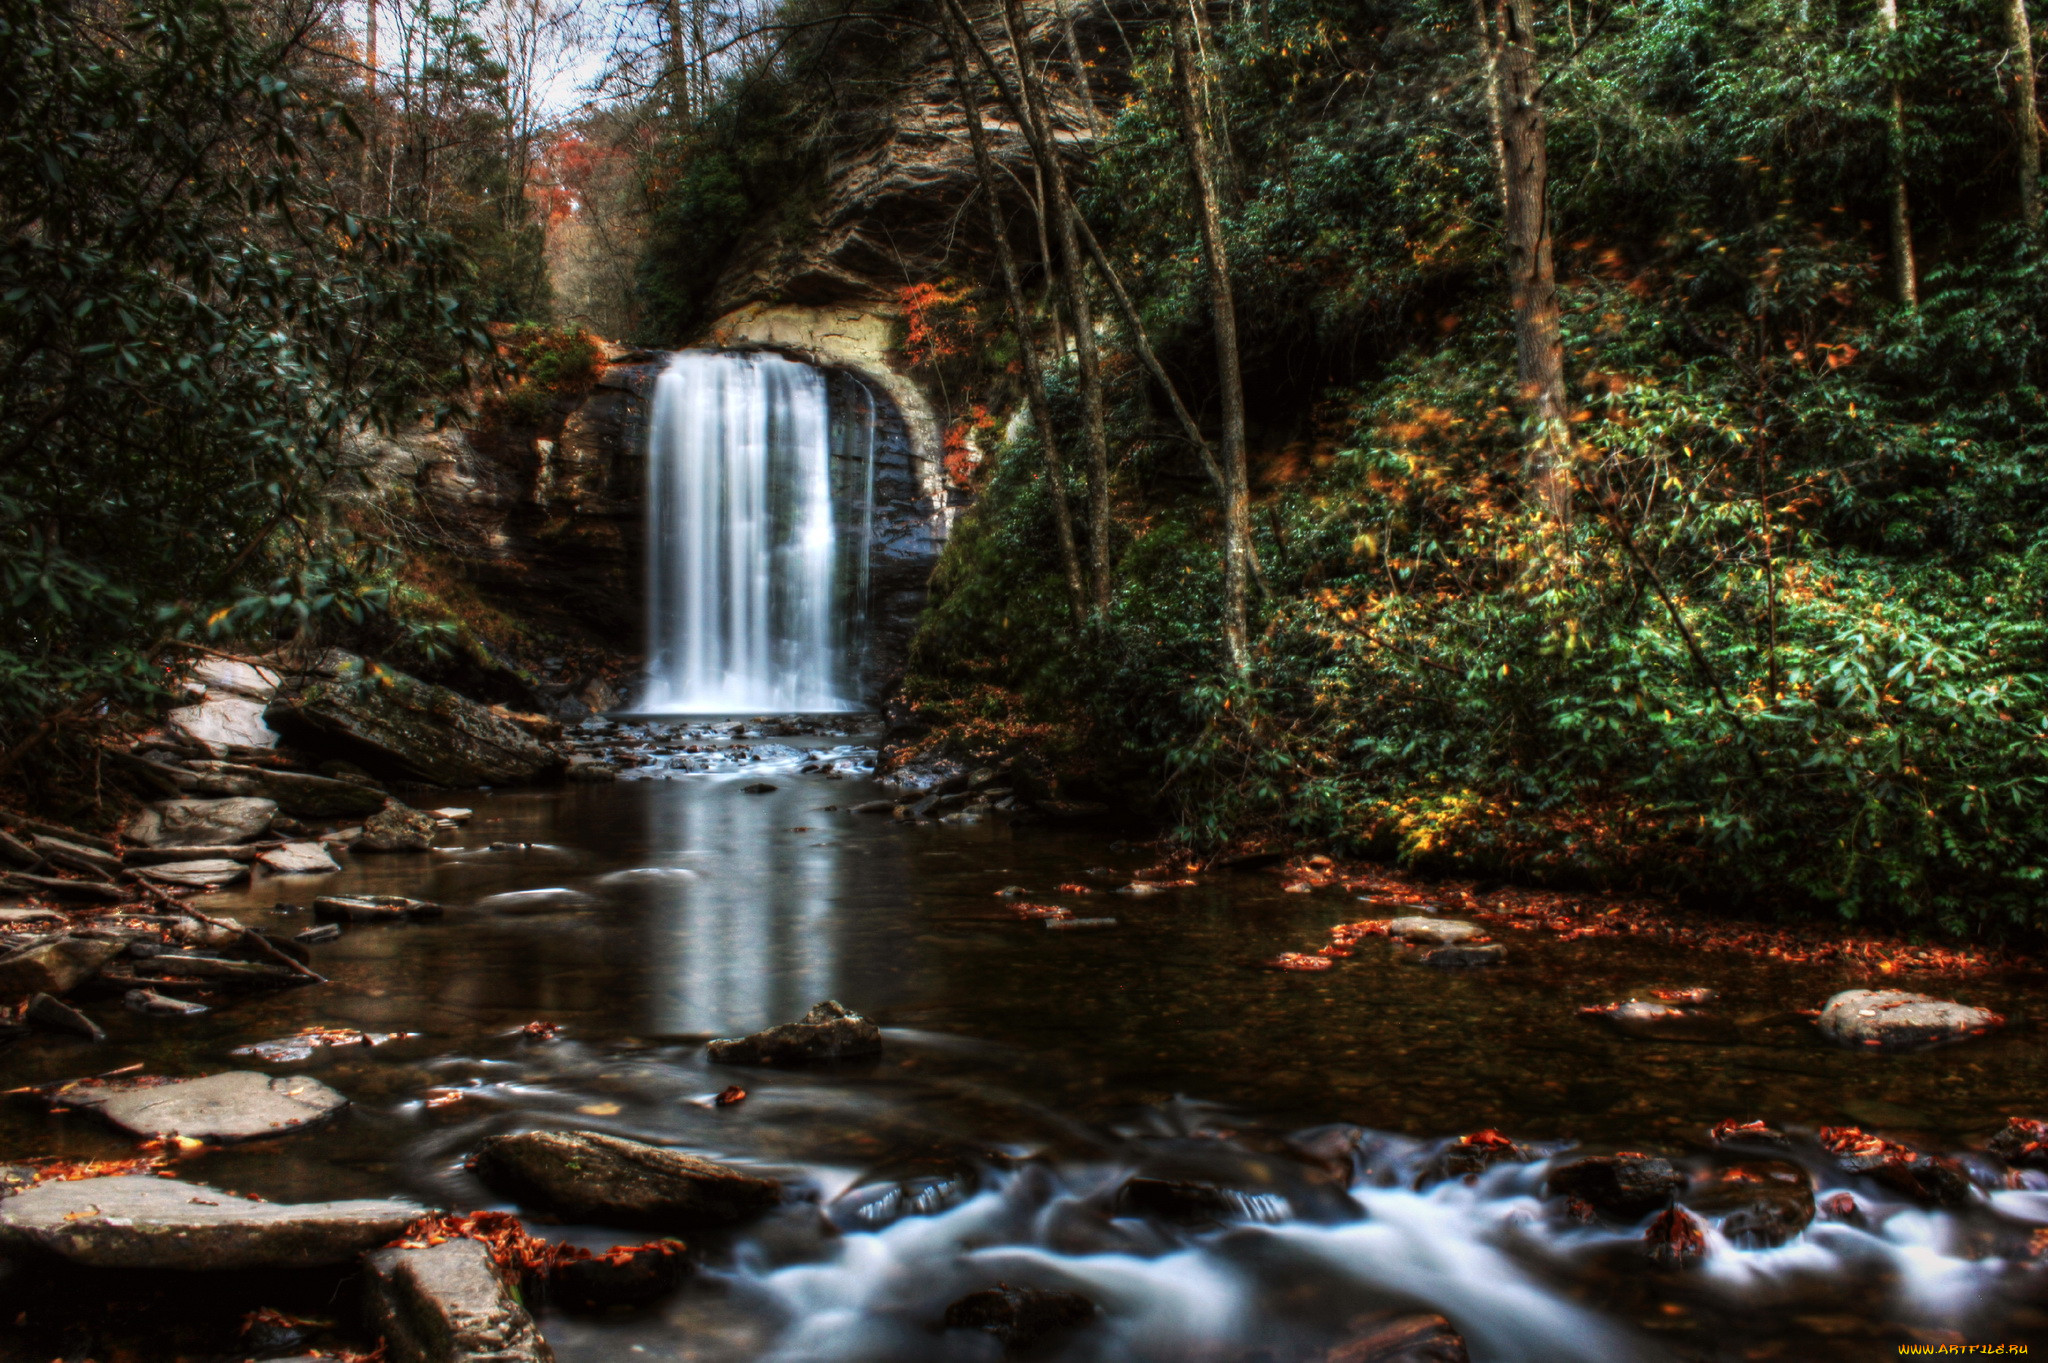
point(371, 908)
point(206, 873)
point(1458, 955)
point(830, 1031)
point(1020, 1317)
point(625, 1276)
point(589, 1176)
point(140, 1221)
point(239, 1105)
point(1400, 1338)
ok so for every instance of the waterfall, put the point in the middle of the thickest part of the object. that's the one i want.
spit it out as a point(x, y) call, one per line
point(746, 592)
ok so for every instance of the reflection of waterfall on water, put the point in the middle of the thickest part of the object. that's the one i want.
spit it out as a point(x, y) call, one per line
point(751, 941)
point(745, 604)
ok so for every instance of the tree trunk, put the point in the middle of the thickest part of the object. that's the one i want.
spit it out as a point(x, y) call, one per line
point(1516, 85)
point(370, 70)
point(1074, 276)
point(1223, 314)
point(1902, 216)
point(2022, 32)
point(1020, 325)
point(678, 59)
point(1082, 86)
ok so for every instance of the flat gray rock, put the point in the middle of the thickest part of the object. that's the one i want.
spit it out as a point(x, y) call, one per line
point(201, 823)
point(830, 1031)
point(447, 1304)
point(1434, 931)
point(589, 1176)
point(204, 873)
point(300, 859)
point(139, 1221)
point(1893, 1018)
point(239, 1105)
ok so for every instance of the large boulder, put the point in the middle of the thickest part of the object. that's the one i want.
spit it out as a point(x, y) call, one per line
point(239, 1105)
point(447, 1303)
point(830, 1031)
point(1894, 1019)
point(233, 677)
point(139, 1221)
point(390, 721)
point(589, 1176)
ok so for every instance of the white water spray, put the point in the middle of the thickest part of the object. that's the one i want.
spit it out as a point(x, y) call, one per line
point(742, 594)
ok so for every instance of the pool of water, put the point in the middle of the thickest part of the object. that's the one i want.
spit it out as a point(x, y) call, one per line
point(1027, 1071)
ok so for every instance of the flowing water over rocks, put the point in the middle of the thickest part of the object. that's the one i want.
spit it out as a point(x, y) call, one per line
point(1112, 1147)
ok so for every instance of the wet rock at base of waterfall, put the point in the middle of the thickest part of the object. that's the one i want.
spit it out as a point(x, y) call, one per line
point(1623, 1188)
point(54, 967)
point(1930, 1180)
point(296, 792)
point(1471, 1156)
point(299, 859)
point(397, 828)
point(205, 874)
point(624, 1276)
point(1892, 1018)
point(386, 718)
point(201, 823)
point(1459, 955)
point(152, 1004)
point(54, 1015)
point(1434, 931)
point(373, 908)
point(589, 1176)
point(591, 769)
point(138, 1221)
point(925, 776)
point(2022, 1142)
point(1757, 1204)
point(829, 1031)
point(219, 723)
point(239, 1105)
point(1020, 1317)
point(1390, 1337)
point(758, 788)
point(447, 1303)
point(1675, 1239)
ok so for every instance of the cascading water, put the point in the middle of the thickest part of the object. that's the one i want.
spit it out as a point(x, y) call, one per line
point(746, 602)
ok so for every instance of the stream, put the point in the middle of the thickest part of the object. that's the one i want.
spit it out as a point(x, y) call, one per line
point(1027, 1072)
